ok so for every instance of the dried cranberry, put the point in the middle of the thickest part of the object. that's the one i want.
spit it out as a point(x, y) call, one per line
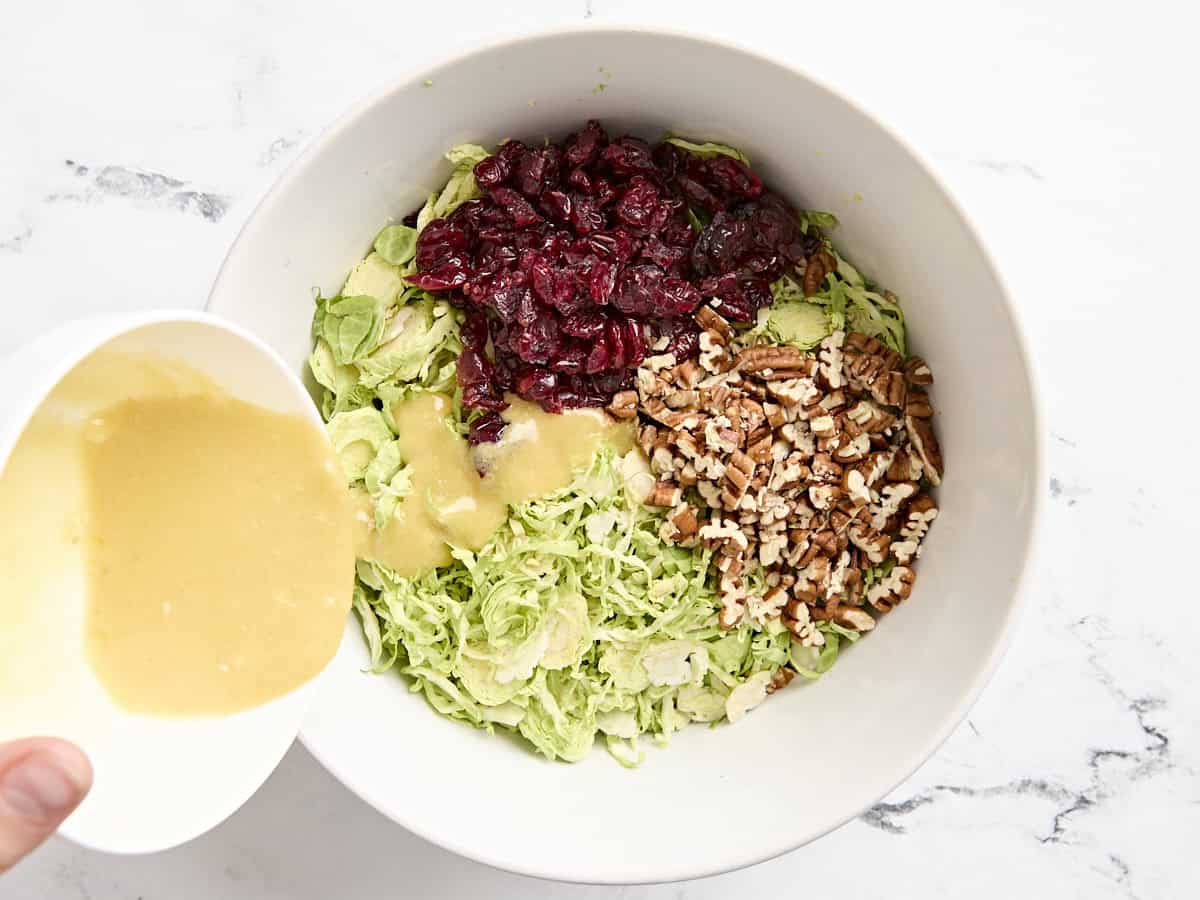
point(601, 280)
point(739, 296)
point(506, 301)
point(668, 158)
point(628, 156)
point(439, 241)
point(639, 206)
point(588, 325)
point(676, 297)
point(556, 205)
point(683, 336)
point(518, 208)
point(599, 358)
point(580, 254)
point(451, 274)
point(582, 147)
point(619, 246)
point(637, 289)
point(731, 179)
point(538, 341)
point(634, 340)
point(666, 257)
point(603, 191)
point(585, 216)
point(697, 195)
point(537, 171)
point(580, 180)
point(572, 356)
point(486, 429)
point(536, 383)
point(492, 172)
point(510, 153)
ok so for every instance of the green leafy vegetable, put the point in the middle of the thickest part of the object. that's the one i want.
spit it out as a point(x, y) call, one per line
point(576, 613)
point(460, 187)
point(358, 436)
point(374, 277)
point(709, 149)
point(397, 244)
point(352, 326)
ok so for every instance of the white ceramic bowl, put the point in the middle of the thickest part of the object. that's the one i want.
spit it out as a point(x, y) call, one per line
point(815, 755)
point(158, 781)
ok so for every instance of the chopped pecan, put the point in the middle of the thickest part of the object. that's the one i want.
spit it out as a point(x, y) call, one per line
point(917, 371)
point(872, 543)
point(816, 267)
point(889, 388)
point(774, 414)
point(853, 450)
point(664, 493)
point(917, 405)
point(824, 426)
point(920, 432)
point(681, 399)
point(713, 355)
point(624, 405)
point(792, 391)
point(683, 517)
point(781, 679)
point(892, 589)
point(711, 320)
point(905, 467)
point(687, 374)
point(852, 617)
point(766, 359)
point(824, 470)
point(832, 360)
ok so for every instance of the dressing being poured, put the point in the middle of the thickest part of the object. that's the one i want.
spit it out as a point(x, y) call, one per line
point(214, 538)
point(461, 496)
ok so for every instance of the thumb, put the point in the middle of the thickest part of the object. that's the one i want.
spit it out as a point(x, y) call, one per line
point(42, 780)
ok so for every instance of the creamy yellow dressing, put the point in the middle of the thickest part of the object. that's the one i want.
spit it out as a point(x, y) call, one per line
point(216, 548)
point(450, 502)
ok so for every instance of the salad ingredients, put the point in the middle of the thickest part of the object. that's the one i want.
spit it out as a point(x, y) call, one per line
point(524, 567)
point(424, 490)
point(574, 619)
point(580, 254)
point(804, 472)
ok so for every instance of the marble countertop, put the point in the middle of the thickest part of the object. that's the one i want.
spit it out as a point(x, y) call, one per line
point(138, 137)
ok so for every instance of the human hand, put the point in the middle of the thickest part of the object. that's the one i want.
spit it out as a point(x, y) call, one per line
point(42, 780)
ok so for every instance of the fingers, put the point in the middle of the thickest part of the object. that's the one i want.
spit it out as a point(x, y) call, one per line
point(42, 780)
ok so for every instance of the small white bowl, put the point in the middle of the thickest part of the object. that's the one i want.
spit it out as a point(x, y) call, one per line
point(814, 756)
point(158, 781)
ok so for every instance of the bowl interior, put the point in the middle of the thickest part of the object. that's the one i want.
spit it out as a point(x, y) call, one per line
point(817, 754)
point(159, 781)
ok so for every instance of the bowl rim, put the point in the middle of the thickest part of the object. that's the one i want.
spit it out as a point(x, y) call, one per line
point(620, 873)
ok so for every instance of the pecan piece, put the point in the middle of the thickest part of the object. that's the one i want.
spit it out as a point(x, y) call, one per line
point(664, 493)
point(624, 405)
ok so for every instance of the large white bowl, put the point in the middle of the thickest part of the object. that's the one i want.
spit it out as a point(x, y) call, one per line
point(815, 755)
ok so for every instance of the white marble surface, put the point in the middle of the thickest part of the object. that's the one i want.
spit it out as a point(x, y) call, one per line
point(137, 137)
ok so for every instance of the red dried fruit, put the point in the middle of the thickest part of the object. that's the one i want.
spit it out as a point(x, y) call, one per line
point(582, 147)
point(628, 156)
point(537, 342)
point(537, 171)
point(580, 254)
point(518, 208)
point(491, 172)
point(486, 429)
point(588, 325)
